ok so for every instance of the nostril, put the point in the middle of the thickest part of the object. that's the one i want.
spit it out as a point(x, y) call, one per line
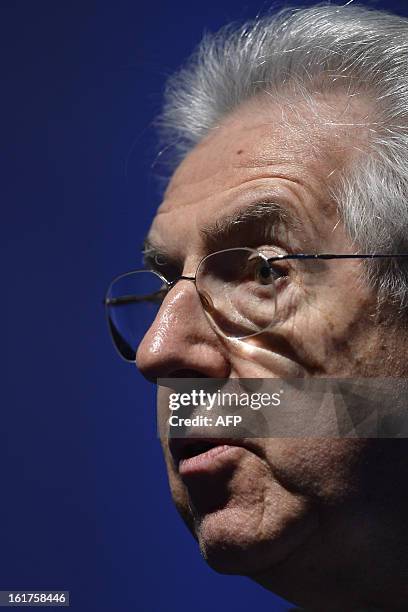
point(185, 373)
point(174, 374)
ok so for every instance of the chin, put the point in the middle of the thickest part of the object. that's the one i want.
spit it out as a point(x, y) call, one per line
point(228, 548)
point(244, 519)
point(240, 540)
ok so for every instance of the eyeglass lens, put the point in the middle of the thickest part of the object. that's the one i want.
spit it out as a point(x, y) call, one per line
point(133, 301)
point(235, 286)
point(237, 291)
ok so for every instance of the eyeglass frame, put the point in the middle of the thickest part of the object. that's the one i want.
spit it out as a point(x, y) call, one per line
point(269, 260)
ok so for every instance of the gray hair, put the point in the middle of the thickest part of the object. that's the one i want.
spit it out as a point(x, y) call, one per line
point(308, 50)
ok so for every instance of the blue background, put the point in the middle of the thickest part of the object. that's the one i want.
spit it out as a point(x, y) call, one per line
point(84, 500)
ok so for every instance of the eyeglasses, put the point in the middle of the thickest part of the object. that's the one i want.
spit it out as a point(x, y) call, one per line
point(237, 287)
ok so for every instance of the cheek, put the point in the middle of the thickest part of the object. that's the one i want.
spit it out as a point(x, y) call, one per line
point(333, 319)
point(321, 328)
point(259, 525)
point(326, 470)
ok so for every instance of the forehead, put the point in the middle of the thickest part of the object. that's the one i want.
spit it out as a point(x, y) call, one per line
point(272, 151)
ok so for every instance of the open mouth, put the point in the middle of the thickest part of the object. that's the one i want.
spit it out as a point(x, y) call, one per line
point(194, 456)
point(186, 448)
point(197, 448)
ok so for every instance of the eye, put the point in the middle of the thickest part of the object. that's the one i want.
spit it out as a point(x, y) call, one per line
point(160, 260)
point(271, 266)
point(264, 274)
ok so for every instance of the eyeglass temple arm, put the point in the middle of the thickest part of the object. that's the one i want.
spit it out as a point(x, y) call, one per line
point(150, 297)
point(337, 256)
point(130, 299)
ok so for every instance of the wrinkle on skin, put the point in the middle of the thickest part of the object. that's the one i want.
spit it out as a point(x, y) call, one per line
point(251, 501)
point(284, 502)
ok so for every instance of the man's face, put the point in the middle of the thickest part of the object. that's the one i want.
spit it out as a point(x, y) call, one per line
point(269, 498)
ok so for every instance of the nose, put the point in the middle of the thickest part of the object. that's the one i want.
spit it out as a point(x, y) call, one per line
point(180, 342)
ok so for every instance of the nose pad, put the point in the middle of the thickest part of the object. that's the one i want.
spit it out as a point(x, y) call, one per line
point(181, 340)
point(206, 302)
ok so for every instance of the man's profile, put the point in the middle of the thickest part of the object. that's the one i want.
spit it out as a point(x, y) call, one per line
point(279, 251)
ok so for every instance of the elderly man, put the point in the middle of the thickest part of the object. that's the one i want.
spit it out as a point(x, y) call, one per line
point(291, 135)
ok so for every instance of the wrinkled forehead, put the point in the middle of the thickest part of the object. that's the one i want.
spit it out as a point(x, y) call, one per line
point(269, 151)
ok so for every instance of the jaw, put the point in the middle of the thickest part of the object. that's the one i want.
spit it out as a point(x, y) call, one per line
point(243, 518)
point(306, 530)
point(357, 559)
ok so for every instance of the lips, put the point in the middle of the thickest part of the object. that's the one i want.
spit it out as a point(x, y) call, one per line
point(194, 456)
point(186, 448)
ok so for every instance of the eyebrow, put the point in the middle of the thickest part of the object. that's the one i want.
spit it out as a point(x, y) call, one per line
point(264, 216)
point(259, 217)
